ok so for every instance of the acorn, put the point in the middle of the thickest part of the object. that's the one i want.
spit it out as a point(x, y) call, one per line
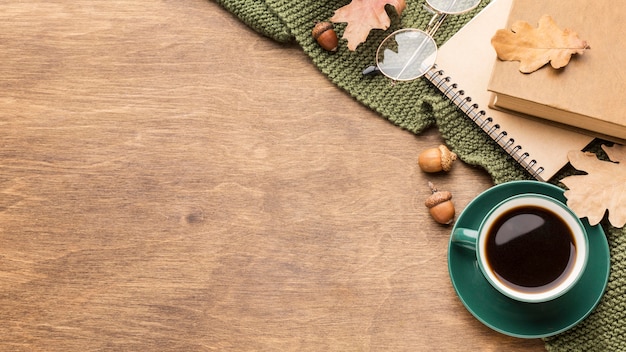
point(440, 205)
point(325, 35)
point(436, 159)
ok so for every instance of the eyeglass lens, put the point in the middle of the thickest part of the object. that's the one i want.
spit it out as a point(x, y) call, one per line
point(407, 54)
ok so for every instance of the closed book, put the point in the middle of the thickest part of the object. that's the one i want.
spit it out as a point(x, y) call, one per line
point(586, 94)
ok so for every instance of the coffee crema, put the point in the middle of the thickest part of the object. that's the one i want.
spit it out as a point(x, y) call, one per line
point(530, 249)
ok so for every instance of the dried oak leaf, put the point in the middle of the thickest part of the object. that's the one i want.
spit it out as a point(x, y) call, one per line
point(363, 16)
point(535, 47)
point(602, 188)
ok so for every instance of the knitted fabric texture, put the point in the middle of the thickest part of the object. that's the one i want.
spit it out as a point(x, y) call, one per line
point(417, 105)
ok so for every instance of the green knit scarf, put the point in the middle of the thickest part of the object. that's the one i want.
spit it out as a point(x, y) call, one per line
point(416, 105)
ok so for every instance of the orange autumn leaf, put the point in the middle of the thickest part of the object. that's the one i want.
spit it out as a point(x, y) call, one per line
point(363, 16)
point(535, 47)
point(602, 189)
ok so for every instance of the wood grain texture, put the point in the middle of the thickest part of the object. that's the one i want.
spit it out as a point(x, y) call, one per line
point(172, 181)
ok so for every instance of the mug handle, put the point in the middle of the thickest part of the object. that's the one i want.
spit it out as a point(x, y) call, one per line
point(466, 238)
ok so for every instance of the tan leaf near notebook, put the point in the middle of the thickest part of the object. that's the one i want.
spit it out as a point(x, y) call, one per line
point(602, 188)
point(535, 47)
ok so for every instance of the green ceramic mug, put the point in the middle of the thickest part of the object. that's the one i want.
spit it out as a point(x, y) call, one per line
point(530, 247)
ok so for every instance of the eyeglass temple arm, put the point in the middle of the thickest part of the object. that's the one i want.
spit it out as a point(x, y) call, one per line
point(435, 22)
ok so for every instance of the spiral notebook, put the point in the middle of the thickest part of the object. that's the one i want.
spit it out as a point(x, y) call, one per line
point(462, 73)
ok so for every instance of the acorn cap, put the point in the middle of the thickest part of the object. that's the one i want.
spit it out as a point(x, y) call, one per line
point(447, 157)
point(437, 198)
point(320, 28)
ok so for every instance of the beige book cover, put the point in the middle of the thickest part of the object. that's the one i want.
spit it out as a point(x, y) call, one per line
point(467, 60)
point(588, 93)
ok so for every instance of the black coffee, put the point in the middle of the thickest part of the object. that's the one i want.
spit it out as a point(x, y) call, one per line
point(530, 249)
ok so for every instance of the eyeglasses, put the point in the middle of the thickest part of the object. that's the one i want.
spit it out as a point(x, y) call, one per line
point(408, 54)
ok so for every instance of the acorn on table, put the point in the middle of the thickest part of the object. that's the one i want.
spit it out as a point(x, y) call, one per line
point(440, 205)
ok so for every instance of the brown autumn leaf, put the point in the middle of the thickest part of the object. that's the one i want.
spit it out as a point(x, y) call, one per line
point(535, 47)
point(602, 188)
point(363, 16)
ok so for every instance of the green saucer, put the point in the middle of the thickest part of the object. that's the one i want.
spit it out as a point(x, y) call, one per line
point(510, 317)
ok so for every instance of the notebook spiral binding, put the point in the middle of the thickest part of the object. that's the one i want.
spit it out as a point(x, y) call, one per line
point(451, 90)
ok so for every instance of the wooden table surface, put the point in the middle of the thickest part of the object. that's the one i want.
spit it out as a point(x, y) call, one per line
point(170, 180)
